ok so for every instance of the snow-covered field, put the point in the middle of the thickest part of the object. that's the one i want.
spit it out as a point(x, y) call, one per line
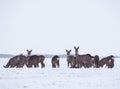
point(59, 78)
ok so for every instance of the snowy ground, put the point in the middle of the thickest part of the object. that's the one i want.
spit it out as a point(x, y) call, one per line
point(59, 78)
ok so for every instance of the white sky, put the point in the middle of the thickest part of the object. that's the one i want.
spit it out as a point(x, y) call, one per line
point(51, 26)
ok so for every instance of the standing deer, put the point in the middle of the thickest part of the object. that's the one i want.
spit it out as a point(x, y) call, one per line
point(29, 52)
point(34, 60)
point(83, 60)
point(96, 61)
point(70, 59)
point(28, 56)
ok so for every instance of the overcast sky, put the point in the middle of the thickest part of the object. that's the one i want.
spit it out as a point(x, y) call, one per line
point(51, 26)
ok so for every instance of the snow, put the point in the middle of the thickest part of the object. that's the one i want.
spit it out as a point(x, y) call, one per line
point(59, 78)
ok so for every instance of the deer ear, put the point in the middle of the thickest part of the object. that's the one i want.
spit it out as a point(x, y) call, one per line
point(70, 51)
point(27, 50)
point(74, 47)
point(30, 50)
point(66, 50)
point(78, 47)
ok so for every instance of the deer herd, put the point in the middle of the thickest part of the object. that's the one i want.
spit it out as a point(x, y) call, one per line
point(73, 61)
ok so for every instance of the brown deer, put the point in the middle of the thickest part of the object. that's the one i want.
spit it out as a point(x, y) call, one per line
point(107, 61)
point(16, 61)
point(34, 60)
point(96, 61)
point(55, 61)
point(28, 56)
point(29, 52)
point(70, 59)
point(83, 60)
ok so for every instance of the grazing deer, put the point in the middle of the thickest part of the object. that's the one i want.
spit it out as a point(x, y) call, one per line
point(55, 61)
point(16, 61)
point(107, 61)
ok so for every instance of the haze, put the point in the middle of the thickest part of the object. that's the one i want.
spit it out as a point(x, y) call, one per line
point(51, 26)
